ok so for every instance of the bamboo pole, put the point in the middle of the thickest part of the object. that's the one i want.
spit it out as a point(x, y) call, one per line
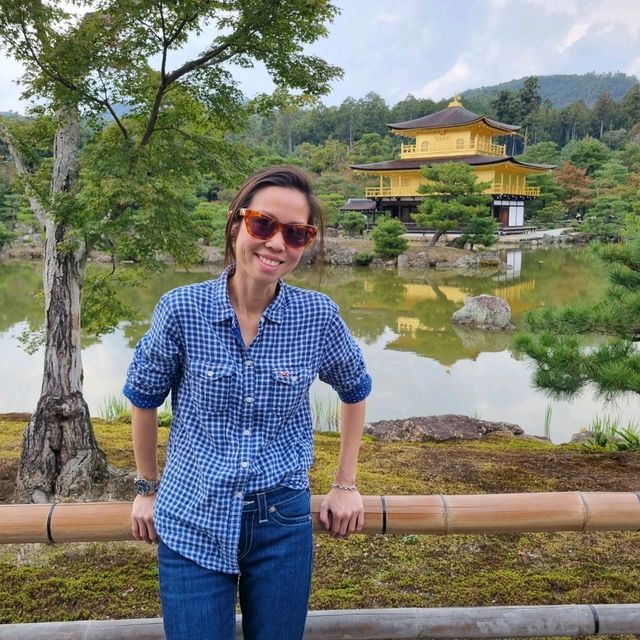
point(438, 514)
point(375, 624)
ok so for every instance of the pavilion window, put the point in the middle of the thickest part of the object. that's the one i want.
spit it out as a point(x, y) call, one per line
point(460, 143)
point(424, 145)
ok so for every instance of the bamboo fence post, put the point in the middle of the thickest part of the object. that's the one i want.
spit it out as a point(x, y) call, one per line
point(439, 514)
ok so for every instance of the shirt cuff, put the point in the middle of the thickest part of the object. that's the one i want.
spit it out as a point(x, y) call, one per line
point(142, 400)
point(357, 393)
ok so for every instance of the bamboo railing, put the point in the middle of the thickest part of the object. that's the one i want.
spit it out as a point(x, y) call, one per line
point(434, 514)
point(376, 624)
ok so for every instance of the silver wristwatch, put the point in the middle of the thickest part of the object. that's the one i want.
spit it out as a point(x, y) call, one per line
point(144, 487)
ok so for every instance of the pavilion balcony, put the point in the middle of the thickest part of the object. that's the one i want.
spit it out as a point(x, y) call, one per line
point(434, 150)
point(391, 192)
point(514, 190)
point(496, 187)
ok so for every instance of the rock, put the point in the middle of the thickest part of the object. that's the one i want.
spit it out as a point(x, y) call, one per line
point(438, 429)
point(418, 260)
point(211, 254)
point(485, 312)
point(335, 254)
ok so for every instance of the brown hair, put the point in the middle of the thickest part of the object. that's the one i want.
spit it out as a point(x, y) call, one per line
point(286, 176)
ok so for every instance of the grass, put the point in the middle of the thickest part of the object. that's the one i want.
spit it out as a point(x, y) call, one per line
point(608, 435)
point(119, 580)
point(325, 413)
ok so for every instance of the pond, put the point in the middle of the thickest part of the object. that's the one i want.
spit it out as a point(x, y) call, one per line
point(420, 363)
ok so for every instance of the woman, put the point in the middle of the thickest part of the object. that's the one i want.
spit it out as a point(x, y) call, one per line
point(238, 355)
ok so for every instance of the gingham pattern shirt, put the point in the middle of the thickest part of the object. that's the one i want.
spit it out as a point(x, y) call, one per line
point(241, 416)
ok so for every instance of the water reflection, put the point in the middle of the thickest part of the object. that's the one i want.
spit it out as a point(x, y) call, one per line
point(420, 362)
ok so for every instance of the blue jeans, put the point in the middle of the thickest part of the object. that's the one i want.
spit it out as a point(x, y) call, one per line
point(275, 555)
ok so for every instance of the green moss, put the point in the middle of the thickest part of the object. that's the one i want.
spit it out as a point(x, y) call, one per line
point(119, 580)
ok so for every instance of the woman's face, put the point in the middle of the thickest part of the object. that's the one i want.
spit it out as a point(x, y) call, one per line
point(266, 261)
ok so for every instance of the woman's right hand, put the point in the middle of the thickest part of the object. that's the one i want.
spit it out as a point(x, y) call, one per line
point(142, 519)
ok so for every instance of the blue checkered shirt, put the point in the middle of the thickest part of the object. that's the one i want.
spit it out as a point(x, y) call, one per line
point(241, 416)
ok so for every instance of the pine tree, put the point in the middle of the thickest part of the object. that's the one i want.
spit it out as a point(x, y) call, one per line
point(564, 365)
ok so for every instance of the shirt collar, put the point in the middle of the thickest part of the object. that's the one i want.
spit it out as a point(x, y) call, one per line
point(223, 309)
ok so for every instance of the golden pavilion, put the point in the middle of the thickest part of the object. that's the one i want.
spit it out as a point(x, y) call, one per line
point(454, 134)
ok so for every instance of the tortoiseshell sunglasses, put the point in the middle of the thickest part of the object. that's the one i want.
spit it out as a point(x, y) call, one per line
point(263, 226)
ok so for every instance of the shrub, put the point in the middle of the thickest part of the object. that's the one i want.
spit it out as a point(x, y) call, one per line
point(363, 259)
point(353, 223)
point(388, 238)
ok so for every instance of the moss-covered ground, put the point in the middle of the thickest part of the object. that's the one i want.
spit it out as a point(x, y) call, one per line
point(119, 580)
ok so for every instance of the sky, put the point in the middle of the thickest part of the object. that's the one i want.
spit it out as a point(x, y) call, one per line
point(437, 48)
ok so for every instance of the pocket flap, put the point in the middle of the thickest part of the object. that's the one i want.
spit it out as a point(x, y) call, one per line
point(212, 370)
point(291, 377)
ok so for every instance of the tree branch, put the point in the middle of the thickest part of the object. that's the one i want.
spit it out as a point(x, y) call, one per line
point(187, 67)
point(36, 206)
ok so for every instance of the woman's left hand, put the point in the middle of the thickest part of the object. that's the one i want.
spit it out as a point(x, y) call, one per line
point(342, 513)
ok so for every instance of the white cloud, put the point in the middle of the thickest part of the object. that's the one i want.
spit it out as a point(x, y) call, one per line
point(576, 33)
point(452, 81)
point(386, 18)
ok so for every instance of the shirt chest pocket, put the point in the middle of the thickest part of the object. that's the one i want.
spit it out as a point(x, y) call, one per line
point(212, 385)
point(288, 387)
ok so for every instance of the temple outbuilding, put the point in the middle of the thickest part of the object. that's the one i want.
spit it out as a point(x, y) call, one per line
point(454, 134)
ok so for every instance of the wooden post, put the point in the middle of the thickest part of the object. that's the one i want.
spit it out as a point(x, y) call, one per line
point(491, 513)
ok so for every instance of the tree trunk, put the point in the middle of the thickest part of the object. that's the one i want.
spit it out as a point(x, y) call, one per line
point(60, 457)
point(435, 237)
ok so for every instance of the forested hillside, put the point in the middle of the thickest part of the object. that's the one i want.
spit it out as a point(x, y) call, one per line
point(562, 90)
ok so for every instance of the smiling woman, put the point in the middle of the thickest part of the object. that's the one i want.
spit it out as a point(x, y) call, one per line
point(238, 355)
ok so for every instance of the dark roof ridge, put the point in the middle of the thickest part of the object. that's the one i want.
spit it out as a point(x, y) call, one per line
point(451, 116)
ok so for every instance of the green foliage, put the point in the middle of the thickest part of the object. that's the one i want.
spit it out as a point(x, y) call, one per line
point(332, 203)
point(589, 154)
point(481, 230)
point(455, 197)
point(609, 436)
point(551, 214)
point(541, 153)
point(168, 131)
point(388, 239)
point(6, 236)
point(363, 259)
point(563, 366)
point(210, 220)
point(353, 223)
point(115, 409)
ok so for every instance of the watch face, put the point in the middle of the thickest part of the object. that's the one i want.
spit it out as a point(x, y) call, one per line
point(145, 487)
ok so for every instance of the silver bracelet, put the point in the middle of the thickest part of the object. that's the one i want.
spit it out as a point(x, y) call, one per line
point(344, 487)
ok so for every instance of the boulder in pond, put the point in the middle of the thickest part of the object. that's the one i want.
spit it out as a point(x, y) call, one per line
point(485, 312)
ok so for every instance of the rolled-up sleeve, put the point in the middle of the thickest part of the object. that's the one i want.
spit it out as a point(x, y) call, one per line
point(342, 365)
point(156, 361)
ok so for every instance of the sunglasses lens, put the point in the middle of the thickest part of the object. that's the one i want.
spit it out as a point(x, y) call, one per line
point(260, 226)
point(297, 235)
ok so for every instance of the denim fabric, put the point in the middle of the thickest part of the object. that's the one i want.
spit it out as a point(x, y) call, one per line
point(275, 556)
point(241, 415)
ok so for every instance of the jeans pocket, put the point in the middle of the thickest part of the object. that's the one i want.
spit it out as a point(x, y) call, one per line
point(294, 511)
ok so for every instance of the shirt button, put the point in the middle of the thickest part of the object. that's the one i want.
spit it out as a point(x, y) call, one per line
point(248, 363)
point(244, 465)
point(209, 373)
point(238, 494)
point(247, 432)
point(248, 399)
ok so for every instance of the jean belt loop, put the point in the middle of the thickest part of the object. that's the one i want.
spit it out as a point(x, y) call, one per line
point(262, 507)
